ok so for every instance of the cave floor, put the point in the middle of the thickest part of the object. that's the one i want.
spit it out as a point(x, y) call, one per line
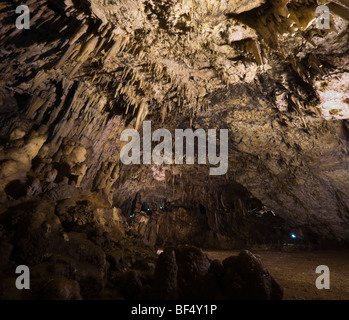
point(295, 271)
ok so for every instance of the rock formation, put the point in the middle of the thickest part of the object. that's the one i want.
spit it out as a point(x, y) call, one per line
point(88, 69)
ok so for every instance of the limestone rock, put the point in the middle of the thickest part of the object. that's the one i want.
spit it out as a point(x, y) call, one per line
point(186, 272)
point(61, 289)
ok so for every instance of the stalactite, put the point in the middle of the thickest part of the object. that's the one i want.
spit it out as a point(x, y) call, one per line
point(65, 56)
point(39, 78)
point(34, 105)
point(253, 46)
point(79, 33)
point(142, 113)
point(113, 50)
point(84, 53)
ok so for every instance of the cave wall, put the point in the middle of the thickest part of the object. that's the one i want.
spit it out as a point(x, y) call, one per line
point(86, 70)
point(296, 172)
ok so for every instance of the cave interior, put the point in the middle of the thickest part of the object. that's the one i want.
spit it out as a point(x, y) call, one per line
point(271, 74)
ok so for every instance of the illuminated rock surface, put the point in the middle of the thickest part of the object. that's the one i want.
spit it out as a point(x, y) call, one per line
point(88, 69)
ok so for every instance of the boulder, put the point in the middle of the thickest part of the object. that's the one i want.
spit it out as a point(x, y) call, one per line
point(166, 273)
point(61, 289)
point(246, 277)
point(186, 272)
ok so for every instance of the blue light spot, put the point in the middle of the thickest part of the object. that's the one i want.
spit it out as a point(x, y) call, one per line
point(160, 207)
point(293, 236)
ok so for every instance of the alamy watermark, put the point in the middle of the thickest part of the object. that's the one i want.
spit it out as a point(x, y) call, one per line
point(23, 281)
point(163, 152)
point(323, 17)
point(322, 20)
point(323, 281)
point(23, 21)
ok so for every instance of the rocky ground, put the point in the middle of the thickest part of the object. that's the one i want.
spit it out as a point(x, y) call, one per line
point(295, 271)
point(75, 251)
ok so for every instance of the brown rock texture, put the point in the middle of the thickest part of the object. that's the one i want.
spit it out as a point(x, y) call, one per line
point(88, 69)
point(185, 272)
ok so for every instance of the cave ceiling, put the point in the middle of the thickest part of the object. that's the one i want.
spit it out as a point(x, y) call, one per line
point(88, 69)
